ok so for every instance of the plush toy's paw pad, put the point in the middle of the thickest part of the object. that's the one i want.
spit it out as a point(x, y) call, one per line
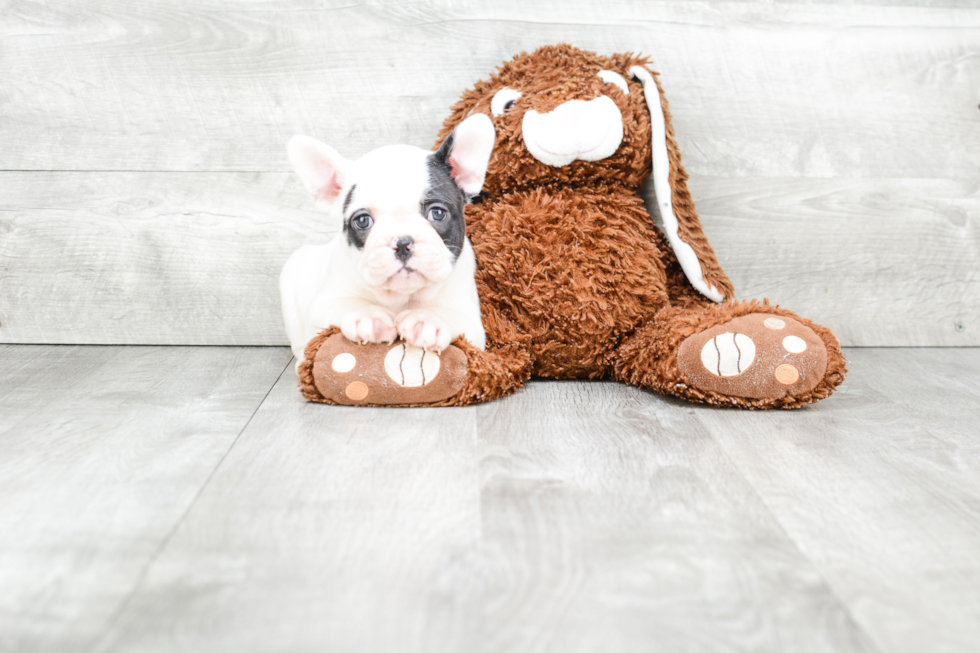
point(386, 375)
point(759, 356)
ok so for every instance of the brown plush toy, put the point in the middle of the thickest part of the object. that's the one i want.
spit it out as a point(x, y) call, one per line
point(575, 280)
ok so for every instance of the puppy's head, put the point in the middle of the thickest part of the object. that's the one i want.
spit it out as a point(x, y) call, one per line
point(401, 207)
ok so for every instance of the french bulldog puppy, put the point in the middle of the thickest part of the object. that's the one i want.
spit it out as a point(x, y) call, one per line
point(402, 264)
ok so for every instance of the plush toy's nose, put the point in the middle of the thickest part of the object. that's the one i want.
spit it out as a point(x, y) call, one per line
point(403, 248)
point(578, 129)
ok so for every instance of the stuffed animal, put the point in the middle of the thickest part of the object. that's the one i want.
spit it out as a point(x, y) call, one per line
point(575, 279)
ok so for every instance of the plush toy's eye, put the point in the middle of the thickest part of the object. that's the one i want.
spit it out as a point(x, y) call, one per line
point(437, 213)
point(504, 100)
point(362, 220)
point(610, 77)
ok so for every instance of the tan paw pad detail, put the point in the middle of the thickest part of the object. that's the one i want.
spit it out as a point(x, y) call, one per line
point(728, 354)
point(411, 367)
point(774, 323)
point(786, 374)
point(758, 356)
point(356, 391)
point(794, 344)
point(386, 374)
point(343, 363)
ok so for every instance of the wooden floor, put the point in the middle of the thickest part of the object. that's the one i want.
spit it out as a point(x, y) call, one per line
point(187, 498)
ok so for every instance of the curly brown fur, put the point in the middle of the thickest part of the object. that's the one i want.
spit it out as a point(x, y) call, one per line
point(491, 374)
point(569, 257)
point(555, 74)
point(570, 254)
point(574, 305)
point(548, 77)
point(575, 280)
point(649, 357)
point(305, 368)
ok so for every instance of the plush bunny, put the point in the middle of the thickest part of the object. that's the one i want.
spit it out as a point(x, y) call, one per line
point(576, 281)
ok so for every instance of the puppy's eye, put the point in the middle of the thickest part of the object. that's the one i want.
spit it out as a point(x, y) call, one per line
point(437, 214)
point(504, 100)
point(362, 221)
point(609, 77)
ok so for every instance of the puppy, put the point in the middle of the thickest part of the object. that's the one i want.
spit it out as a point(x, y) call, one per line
point(401, 265)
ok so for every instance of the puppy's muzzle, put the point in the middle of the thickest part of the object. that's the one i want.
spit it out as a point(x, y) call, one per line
point(403, 248)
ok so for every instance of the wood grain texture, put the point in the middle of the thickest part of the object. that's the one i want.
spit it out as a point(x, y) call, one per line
point(195, 258)
point(879, 488)
point(587, 516)
point(883, 262)
point(757, 90)
point(831, 148)
point(160, 258)
point(573, 516)
point(612, 521)
point(102, 451)
point(346, 529)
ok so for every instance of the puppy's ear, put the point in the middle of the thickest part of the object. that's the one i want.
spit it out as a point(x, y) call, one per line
point(320, 168)
point(467, 152)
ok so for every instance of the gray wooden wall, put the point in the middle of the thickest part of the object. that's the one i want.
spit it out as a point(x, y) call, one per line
point(145, 196)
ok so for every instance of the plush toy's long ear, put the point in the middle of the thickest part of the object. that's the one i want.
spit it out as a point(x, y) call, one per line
point(467, 152)
point(320, 168)
point(681, 221)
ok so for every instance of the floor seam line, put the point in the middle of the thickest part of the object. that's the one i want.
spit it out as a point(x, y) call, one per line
point(165, 542)
point(789, 538)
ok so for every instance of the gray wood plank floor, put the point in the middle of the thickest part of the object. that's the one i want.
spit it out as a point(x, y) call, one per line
point(102, 452)
point(175, 498)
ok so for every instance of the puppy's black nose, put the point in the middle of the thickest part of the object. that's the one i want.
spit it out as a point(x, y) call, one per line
point(403, 248)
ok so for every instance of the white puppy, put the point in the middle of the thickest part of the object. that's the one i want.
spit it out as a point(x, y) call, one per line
point(402, 265)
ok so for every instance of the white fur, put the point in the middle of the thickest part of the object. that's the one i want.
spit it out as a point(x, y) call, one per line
point(575, 130)
point(612, 77)
point(321, 287)
point(320, 167)
point(391, 181)
point(369, 294)
point(473, 145)
point(686, 255)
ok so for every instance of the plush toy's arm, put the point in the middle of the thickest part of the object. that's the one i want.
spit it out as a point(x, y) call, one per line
point(681, 222)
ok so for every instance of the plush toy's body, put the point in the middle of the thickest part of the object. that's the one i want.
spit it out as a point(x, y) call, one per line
point(575, 280)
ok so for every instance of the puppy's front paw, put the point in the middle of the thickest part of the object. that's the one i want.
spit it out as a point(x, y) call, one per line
point(369, 324)
point(424, 329)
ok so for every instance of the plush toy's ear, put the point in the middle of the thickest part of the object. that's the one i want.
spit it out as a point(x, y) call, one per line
point(467, 152)
point(320, 168)
point(681, 221)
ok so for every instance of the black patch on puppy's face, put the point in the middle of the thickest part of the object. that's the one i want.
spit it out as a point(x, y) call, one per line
point(443, 192)
point(356, 237)
point(347, 199)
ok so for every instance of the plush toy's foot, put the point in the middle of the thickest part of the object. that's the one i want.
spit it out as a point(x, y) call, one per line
point(338, 371)
point(756, 356)
point(395, 374)
point(750, 355)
